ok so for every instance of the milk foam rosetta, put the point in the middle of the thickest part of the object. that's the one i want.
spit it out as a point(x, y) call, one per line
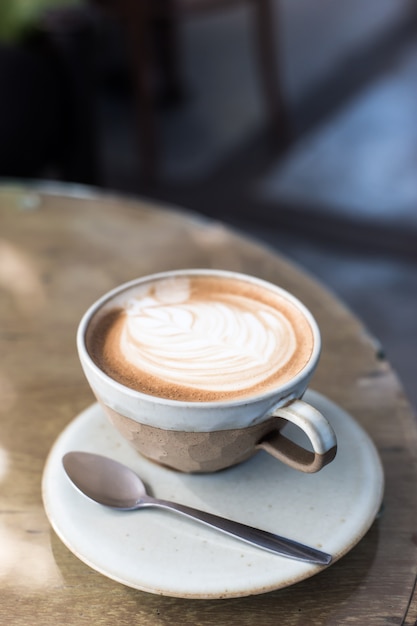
point(181, 334)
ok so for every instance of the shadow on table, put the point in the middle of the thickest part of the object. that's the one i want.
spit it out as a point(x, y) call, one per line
point(317, 600)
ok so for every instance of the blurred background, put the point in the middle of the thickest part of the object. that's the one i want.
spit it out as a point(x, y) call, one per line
point(294, 121)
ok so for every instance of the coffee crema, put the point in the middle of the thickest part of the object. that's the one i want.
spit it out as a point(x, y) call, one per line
point(200, 338)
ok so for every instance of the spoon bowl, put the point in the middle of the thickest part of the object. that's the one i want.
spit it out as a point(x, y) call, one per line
point(112, 484)
point(105, 481)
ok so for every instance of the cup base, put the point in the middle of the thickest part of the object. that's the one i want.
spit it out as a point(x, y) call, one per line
point(193, 452)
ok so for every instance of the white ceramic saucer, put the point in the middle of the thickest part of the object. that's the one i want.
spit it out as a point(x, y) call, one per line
point(163, 553)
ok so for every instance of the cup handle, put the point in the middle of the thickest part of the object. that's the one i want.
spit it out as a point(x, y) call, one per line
point(318, 431)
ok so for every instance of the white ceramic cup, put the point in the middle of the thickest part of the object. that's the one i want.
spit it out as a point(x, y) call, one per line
point(208, 436)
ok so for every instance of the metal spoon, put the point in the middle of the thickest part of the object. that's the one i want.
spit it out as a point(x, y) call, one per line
point(114, 485)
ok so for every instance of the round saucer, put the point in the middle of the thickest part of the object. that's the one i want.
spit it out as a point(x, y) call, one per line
point(163, 553)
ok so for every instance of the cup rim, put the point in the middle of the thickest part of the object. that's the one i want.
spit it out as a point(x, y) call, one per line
point(279, 392)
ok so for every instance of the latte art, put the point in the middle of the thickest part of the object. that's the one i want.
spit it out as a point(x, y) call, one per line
point(200, 338)
point(229, 344)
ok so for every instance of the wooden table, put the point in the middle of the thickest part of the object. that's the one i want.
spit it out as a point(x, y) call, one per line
point(59, 250)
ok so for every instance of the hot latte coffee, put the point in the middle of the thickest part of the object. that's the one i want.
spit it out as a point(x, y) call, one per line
point(200, 337)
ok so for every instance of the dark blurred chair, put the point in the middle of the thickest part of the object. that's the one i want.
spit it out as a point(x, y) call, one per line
point(152, 29)
point(47, 104)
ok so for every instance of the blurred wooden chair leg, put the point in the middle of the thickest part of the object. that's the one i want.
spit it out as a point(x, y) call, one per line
point(267, 44)
point(138, 15)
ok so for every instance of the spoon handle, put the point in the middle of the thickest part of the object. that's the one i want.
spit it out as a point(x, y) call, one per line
point(255, 536)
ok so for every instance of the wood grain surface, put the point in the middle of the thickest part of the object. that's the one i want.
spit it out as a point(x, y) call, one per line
point(60, 248)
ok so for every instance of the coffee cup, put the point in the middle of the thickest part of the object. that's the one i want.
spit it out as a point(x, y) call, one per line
point(199, 369)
